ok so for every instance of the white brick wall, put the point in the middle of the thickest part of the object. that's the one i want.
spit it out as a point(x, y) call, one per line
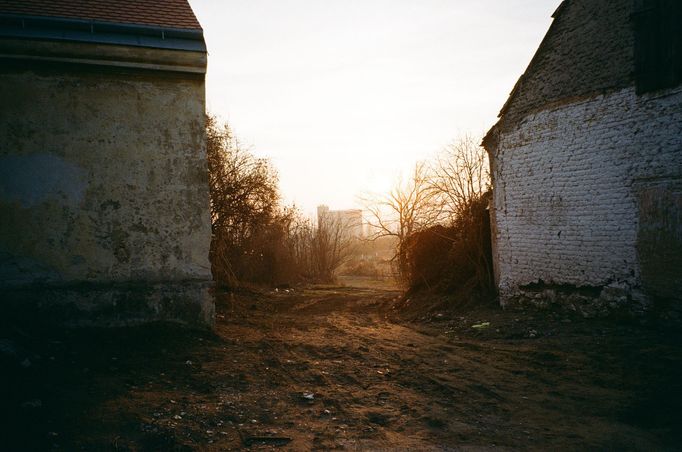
point(565, 201)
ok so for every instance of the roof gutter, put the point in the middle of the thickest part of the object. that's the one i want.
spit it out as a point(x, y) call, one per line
point(92, 31)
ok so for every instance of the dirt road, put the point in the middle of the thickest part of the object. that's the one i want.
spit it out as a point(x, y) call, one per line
point(335, 368)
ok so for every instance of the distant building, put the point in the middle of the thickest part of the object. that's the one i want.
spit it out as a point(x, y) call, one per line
point(104, 202)
point(349, 221)
point(586, 160)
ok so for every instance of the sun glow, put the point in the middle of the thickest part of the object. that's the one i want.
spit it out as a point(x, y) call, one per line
point(344, 95)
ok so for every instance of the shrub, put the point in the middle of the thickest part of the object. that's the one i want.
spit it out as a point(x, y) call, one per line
point(448, 258)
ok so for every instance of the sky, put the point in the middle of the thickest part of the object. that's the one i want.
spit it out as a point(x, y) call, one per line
point(344, 95)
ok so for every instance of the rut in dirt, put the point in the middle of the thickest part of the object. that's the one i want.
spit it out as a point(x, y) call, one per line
point(337, 367)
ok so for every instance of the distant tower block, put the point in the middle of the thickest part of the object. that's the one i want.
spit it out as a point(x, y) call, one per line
point(350, 221)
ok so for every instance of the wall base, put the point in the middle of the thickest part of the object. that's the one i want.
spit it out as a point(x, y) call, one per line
point(588, 301)
point(189, 303)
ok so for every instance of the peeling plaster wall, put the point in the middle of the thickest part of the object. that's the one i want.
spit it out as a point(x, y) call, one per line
point(569, 184)
point(103, 178)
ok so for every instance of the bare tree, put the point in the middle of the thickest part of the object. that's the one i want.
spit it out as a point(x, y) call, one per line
point(461, 175)
point(244, 199)
point(332, 245)
point(409, 207)
point(461, 178)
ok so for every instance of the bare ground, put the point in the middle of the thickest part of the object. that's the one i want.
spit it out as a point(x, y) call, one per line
point(341, 368)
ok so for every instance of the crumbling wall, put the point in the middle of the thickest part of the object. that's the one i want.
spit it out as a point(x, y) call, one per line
point(103, 177)
point(659, 237)
point(568, 183)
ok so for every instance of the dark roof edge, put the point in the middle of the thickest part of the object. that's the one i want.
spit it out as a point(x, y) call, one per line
point(559, 9)
point(536, 55)
point(490, 137)
point(80, 30)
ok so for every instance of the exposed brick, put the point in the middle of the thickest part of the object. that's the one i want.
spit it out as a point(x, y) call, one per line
point(567, 182)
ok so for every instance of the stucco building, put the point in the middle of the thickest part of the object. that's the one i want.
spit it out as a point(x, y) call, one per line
point(586, 161)
point(103, 179)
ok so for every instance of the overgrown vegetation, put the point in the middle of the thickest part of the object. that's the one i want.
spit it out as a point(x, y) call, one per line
point(436, 221)
point(453, 257)
point(256, 239)
point(439, 218)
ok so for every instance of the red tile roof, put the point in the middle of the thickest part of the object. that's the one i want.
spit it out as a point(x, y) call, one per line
point(162, 13)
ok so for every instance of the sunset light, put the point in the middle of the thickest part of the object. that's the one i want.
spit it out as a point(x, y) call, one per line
point(382, 225)
point(352, 93)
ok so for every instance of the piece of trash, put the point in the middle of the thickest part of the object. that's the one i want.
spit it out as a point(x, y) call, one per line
point(309, 396)
point(253, 421)
point(481, 325)
point(327, 412)
point(188, 362)
point(266, 440)
point(35, 403)
point(177, 417)
point(532, 333)
point(172, 401)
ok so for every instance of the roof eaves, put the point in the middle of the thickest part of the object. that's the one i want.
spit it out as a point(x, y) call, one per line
point(99, 32)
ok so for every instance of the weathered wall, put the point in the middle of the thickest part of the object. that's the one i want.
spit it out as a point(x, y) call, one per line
point(102, 177)
point(570, 185)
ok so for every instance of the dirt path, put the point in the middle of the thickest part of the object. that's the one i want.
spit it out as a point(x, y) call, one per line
point(327, 369)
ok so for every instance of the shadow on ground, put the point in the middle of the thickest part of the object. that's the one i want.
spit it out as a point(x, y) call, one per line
point(339, 367)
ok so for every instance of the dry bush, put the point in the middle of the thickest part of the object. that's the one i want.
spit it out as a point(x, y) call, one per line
point(455, 254)
point(411, 206)
point(449, 258)
point(244, 203)
point(254, 238)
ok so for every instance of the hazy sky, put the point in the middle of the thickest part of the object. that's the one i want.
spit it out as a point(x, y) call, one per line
point(342, 95)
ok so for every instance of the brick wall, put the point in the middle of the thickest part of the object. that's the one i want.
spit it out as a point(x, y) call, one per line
point(568, 183)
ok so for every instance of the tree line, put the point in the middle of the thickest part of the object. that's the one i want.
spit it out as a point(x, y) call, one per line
point(440, 221)
point(256, 239)
point(437, 218)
